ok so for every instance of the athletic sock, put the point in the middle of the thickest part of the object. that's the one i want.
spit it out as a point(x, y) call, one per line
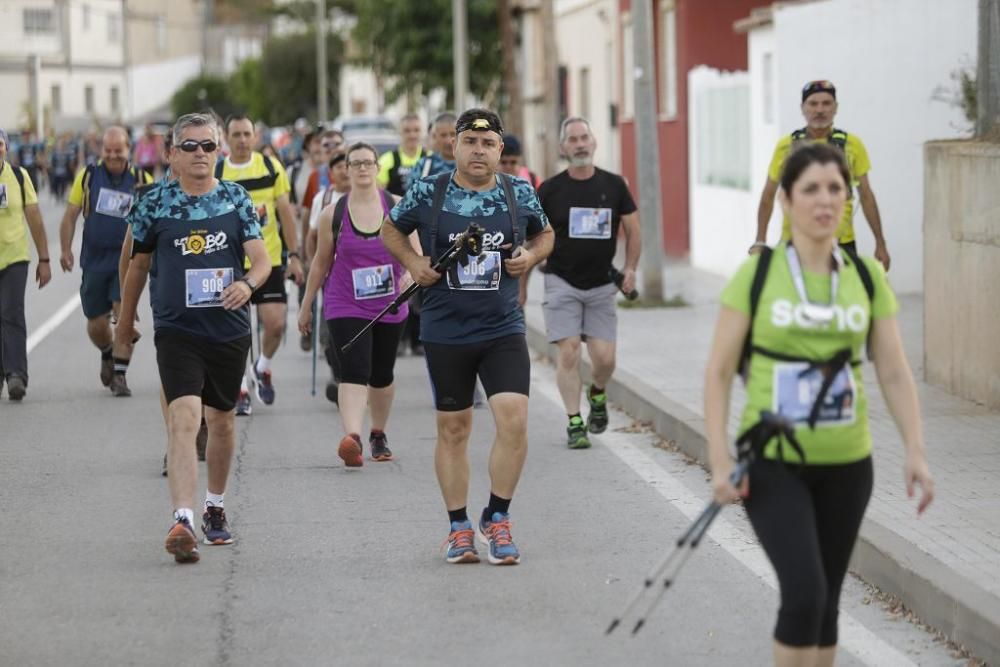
point(497, 504)
point(184, 513)
point(121, 366)
point(458, 515)
point(244, 387)
point(106, 352)
point(263, 364)
point(213, 499)
point(594, 391)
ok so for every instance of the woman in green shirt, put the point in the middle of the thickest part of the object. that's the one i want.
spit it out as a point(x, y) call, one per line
point(817, 307)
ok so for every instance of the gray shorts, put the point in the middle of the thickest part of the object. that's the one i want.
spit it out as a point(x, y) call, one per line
point(574, 312)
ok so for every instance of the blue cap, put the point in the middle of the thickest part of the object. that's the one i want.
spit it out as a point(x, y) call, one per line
point(511, 145)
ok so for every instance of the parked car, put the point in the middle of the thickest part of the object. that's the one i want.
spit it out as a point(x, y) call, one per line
point(379, 131)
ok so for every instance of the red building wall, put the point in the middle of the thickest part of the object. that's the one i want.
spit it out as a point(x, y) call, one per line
point(705, 36)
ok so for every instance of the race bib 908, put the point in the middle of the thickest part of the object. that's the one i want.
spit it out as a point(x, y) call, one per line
point(796, 389)
point(204, 286)
point(589, 223)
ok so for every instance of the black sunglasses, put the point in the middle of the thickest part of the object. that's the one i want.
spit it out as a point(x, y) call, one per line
point(190, 146)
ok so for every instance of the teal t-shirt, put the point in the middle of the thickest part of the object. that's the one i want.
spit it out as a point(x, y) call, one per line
point(841, 434)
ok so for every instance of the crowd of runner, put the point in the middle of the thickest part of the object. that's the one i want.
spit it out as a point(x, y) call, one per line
point(218, 222)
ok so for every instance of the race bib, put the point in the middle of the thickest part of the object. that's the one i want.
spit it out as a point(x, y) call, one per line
point(795, 391)
point(3, 195)
point(373, 282)
point(113, 203)
point(589, 223)
point(481, 273)
point(204, 286)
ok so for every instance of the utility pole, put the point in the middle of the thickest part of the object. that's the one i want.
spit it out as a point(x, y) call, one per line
point(514, 114)
point(988, 71)
point(550, 94)
point(321, 73)
point(460, 52)
point(647, 151)
point(206, 25)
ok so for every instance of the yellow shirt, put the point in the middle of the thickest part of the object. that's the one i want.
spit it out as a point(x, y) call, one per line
point(264, 198)
point(386, 163)
point(857, 164)
point(13, 230)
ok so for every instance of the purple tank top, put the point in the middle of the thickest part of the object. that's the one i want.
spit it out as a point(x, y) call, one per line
point(365, 276)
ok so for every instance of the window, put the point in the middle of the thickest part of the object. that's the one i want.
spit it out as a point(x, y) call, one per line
point(161, 35)
point(39, 21)
point(628, 69)
point(668, 60)
point(114, 28)
point(722, 136)
point(584, 86)
point(114, 100)
point(86, 17)
point(56, 98)
point(88, 99)
point(767, 89)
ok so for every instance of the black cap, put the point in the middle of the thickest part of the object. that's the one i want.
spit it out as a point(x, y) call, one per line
point(511, 145)
point(821, 86)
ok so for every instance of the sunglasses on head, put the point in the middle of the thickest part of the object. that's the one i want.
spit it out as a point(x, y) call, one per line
point(190, 146)
point(818, 85)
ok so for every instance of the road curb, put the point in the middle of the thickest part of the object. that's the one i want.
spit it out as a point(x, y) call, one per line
point(934, 592)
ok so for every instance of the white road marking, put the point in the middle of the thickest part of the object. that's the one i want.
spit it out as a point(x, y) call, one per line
point(853, 636)
point(50, 325)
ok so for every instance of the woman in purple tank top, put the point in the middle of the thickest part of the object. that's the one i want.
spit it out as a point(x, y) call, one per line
point(359, 279)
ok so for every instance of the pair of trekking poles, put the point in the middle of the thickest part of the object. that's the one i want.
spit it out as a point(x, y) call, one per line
point(748, 447)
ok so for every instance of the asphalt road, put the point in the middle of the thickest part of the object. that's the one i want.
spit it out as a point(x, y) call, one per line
point(343, 567)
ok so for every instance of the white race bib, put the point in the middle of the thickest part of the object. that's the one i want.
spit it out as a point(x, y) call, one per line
point(795, 392)
point(204, 286)
point(113, 203)
point(589, 223)
point(481, 273)
point(372, 282)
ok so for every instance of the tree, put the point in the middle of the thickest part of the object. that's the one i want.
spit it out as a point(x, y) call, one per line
point(246, 86)
point(408, 45)
point(203, 93)
point(288, 75)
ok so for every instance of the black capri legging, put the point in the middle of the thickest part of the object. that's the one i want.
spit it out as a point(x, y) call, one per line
point(373, 358)
point(807, 519)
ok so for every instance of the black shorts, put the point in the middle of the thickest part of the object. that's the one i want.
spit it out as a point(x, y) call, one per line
point(273, 290)
point(193, 366)
point(502, 364)
point(373, 358)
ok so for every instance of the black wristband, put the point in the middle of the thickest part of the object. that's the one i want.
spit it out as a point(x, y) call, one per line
point(43, 261)
point(294, 254)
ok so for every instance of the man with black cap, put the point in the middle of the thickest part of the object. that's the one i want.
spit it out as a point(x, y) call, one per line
point(819, 106)
point(471, 323)
point(510, 161)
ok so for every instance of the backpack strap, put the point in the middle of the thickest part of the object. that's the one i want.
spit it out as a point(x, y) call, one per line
point(338, 219)
point(425, 171)
point(839, 139)
point(396, 159)
point(756, 288)
point(19, 177)
point(272, 173)
point(866, 280)
point(88, 176)
point(440, 189)
point(220, 165)
point(508, 193)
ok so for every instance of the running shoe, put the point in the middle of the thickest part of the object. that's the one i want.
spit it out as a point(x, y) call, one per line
point(597, 420)
point(576, 434)
point(16, 388)
point(182, 543)
point(215, 527)
point(461, 543)
point(331, 392)
point(380, 447)
point(107, 370)
point(201, 442)
point(119, 387)
point(350, 451)
point(243, 406)
point(306, 343)
point(495, 534)
point(263, 386)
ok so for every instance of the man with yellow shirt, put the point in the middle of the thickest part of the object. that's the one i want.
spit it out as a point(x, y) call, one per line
point(18, 202)
point(265, 179)
point(104, 193)
point(394, 166)
point(819, 106)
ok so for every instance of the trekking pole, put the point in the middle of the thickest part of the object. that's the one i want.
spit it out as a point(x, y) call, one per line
point(748, 446)
point(315, 341)
point(470, 243)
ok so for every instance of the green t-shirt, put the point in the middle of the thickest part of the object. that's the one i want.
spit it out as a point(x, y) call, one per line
point(841, 434)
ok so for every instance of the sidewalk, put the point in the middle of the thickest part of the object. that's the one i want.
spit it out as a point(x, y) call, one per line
point(945, 566)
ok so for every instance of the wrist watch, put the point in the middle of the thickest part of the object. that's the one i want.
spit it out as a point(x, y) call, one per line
point(294, 254)
point(250, 282)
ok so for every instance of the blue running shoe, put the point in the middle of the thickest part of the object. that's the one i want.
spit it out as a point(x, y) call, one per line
point(243, 406)
point(215, 526)
point(265, 390)
point(496, 535)
point(461, 544)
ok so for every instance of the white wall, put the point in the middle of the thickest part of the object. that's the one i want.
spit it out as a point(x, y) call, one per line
point(718, 221)
point(886, 59)
point(153, 84)
point(94, 46)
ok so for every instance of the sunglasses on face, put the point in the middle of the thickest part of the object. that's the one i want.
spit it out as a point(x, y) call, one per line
point(190, 146)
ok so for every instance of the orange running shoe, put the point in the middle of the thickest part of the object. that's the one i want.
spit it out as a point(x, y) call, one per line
point(350, 451)
point(182, 543)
